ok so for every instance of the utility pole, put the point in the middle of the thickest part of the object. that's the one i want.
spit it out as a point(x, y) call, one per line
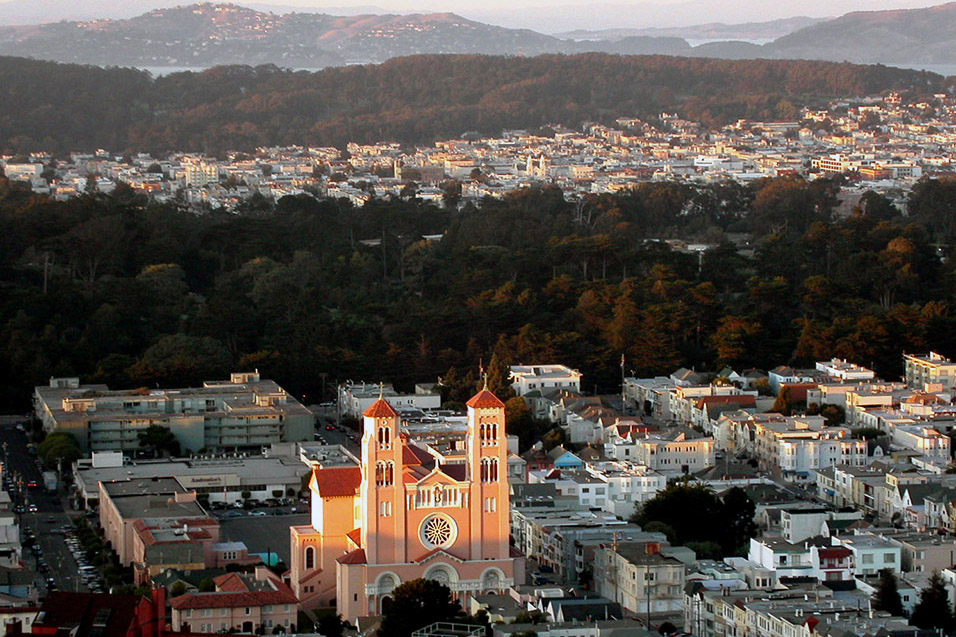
point(623, 392)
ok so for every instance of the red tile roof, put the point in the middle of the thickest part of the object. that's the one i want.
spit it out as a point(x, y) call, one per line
point(337, 482)
point(355, 557)
point(744, 400)
point(356, 536)
point(380, 409)
point(235, 599)
point(412, 454)
point(485, 400)
point(230, 582)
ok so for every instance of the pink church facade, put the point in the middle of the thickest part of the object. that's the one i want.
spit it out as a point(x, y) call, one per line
point(402, 515)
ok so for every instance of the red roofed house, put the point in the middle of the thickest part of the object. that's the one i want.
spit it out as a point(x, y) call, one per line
point(241, 602)
point(403, 515)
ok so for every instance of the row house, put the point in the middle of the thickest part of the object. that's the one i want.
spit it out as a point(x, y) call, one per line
point(706, 411)
point(650, 396)
point(800, 612)
point(792, 446)
point(924, 439)
point(676, 453)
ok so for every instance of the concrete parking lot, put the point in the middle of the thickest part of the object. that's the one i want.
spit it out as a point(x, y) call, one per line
point(263, 534)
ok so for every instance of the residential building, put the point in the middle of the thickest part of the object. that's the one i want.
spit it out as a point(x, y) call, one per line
point(528, 378)
point(676, 453)
point(356, 397)
point(923, 371)
point(259, 603)
point(639, 577)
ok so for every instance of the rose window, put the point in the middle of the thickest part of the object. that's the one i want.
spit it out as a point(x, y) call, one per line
point(438, 531)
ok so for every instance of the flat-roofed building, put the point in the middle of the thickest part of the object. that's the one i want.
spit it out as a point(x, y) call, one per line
point(928, 369)
point(242, 413)
point(124, 504)
point(355, 398)
point(540, 378)
point(218, 478)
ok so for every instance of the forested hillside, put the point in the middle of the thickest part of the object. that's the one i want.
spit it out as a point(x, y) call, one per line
point(115, 290)
point(61, 108)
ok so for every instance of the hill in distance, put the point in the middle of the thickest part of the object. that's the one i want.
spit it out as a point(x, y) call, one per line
point(208, 34)
point(926, 36)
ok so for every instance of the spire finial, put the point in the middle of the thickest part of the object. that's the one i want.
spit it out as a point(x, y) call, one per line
point(486, 381)
point(381, 390)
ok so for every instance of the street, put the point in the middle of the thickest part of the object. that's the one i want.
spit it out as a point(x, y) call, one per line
point(20, 470)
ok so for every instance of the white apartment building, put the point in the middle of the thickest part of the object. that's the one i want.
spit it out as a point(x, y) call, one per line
point(795, 446)
point(541, 378)
point(677, 455)
point(840, 369)
point(922, 438)
point(356, 397)
point(923, 370)
point(871, 553)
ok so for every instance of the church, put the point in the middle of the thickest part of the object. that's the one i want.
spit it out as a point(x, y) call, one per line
point(403, 514)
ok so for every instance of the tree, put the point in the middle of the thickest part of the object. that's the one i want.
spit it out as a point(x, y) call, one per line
point(177, 589)
point(933, 609)
point(887, 595)
point(207, 585)
point(415, 604)
point(738, 520)
point(59, 447)
point(157, 439)
point(784, 402)
point(331, 625)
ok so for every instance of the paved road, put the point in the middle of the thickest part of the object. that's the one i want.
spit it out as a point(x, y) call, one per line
point(326, 418)
point(22, 468)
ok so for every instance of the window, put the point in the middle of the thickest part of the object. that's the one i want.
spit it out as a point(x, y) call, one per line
point(384, 436)
point(384, 474)
point(224, 612)
point(248, 611)
point(385, 509)
point(489, 469)
point(889, 558)
point(867, 558)
point(491, 505)
point(309, 558)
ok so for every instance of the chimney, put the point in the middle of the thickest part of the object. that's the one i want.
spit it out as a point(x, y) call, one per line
point(159, 610)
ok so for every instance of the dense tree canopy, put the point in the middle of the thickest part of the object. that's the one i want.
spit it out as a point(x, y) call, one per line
point(409, 99)
point(691, 514)
point(137, 294)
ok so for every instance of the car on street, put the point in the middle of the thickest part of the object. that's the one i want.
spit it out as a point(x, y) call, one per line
point(32, 508)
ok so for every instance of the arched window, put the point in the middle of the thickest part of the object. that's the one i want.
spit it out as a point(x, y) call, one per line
point(491, 582)
point(384, 473)
point(489, 469)
point(310, 557)
point(384, 437)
